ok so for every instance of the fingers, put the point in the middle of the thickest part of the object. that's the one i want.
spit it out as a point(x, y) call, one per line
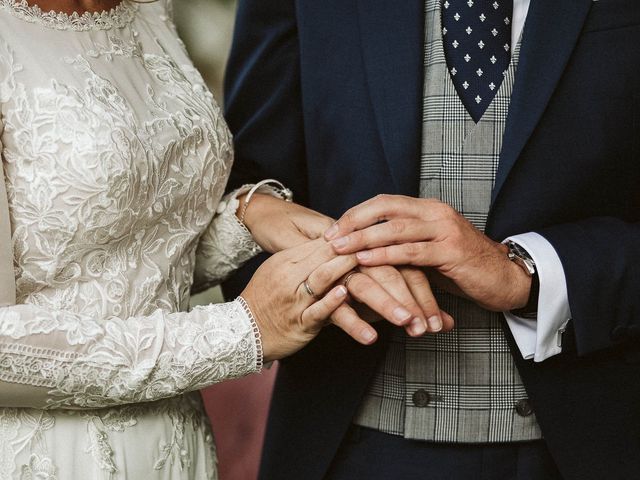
point(394, 283)
point(316, 315)
point(386, 207)
point(395, 231)
point(366, 290)
point(375, 210)
point(420, 254)
point(323, 277)
point(342, 315)
point(447, 322)
point(420, 289)
point(348, 320)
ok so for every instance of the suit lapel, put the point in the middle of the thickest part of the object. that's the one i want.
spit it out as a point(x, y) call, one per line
point(392, 34)
point(550, 34)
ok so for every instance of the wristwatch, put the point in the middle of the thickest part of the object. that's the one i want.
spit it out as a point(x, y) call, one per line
point(521, 257)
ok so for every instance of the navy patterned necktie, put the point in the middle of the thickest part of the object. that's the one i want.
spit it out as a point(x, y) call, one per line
point(477, 45)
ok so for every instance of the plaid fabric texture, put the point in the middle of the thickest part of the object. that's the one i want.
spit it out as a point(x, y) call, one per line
point(469, 373)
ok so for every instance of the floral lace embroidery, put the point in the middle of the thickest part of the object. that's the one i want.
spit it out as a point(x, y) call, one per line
point(118, 17)
point(39, 468)
point(117, 47)
point(13, 441)
point(223, 247)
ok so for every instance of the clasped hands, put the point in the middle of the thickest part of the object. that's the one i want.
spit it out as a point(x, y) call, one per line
point(393, 243)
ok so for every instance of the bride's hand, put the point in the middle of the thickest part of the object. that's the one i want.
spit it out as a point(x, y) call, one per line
point(288, 316)
point(277, 225)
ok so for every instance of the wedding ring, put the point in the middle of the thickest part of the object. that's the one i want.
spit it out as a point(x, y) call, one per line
point(348, 277)
point(308, 289)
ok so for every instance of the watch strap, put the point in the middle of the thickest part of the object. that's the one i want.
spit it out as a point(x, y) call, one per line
point(530, 310)
point(519, 255)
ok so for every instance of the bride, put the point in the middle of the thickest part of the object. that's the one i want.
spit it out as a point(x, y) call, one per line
point(115, 158)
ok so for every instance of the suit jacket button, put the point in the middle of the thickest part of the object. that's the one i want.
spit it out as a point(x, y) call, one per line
point(421, 398)
point(523, 407)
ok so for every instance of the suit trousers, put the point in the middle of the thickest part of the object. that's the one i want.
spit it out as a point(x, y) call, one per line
point(374, 455)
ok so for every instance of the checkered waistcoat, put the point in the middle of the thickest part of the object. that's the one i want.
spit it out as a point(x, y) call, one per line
point(460, 386)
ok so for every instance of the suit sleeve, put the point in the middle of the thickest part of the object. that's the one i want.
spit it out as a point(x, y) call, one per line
point(263, 98)
point(263, 105)
point(601, 260)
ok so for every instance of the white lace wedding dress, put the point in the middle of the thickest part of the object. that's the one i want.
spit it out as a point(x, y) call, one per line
point(116, 157)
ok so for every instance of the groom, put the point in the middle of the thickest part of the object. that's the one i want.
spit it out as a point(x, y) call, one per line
point(522, 116)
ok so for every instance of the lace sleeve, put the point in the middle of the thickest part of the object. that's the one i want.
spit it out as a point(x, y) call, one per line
point(52, 359)
point(224, 247)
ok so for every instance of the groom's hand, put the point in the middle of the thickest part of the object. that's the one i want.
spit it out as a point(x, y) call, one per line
point(397, 230)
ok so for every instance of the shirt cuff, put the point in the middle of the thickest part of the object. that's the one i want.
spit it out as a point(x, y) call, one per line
point(542, 338)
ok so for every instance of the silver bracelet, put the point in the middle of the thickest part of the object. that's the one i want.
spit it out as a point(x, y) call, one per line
point(281, 191)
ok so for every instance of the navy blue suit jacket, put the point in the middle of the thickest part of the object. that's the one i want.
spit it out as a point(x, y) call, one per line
point(326, 96)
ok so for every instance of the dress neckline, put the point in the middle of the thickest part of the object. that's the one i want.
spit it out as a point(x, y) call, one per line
point(118, 16)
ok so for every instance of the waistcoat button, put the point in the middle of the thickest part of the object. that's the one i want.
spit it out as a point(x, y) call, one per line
point(421, 398)
point(523, 408)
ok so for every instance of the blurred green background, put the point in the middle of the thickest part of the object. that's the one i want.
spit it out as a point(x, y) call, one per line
point(206, 27)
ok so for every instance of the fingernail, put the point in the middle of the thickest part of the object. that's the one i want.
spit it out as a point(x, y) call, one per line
point(331, 231)
point(435, 324)
point(418, 326)
point(401, 314)
point(368, 336)
point(340, 242)
point(366, 255)
point(341, 291)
